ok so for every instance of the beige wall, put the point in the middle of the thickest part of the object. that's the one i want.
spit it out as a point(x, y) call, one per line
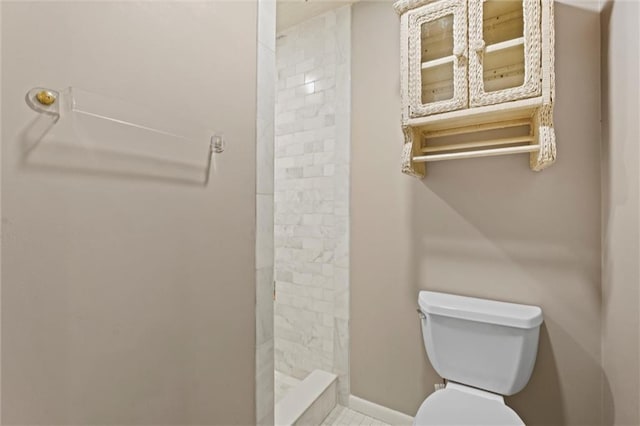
point(620, 184)
point(483, 227)
point(128, 298)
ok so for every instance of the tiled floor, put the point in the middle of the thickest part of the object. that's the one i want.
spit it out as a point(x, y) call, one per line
point(282, 384)
point(342, 416)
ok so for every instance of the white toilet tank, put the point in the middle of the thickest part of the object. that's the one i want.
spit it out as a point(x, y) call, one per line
point(482, 343)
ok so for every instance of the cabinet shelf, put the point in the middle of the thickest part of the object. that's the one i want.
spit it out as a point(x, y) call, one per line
point(479, 115)
point(437, 62)
point(477, 153)
point(494, 117)
point(480, 144)
point(505, 45)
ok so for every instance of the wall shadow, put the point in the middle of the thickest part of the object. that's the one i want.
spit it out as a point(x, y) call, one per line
point(492, 228)
point(544, 388)
point(620, 226)
point(65, 153)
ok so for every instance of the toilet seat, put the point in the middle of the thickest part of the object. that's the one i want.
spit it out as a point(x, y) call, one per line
point(461, 405)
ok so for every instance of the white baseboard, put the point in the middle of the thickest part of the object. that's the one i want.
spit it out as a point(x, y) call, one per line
point(387, 415)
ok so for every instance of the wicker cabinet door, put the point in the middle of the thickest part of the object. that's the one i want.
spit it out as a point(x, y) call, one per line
point(504, 51)
point(437, 67)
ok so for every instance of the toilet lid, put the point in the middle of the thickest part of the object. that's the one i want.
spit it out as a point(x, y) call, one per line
point(455, 407)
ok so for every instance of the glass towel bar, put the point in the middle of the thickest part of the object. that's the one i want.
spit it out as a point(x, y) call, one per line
point(123, 120)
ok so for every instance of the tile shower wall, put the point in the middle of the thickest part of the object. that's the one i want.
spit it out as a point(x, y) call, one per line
point(311, 197)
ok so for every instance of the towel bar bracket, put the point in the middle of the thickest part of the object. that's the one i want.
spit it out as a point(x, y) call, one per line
point(44, 101)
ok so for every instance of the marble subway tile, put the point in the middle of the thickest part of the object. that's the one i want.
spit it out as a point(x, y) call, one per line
point(265, 140)
point(267, 23)
point(341, 293)
point(264, 231)
point(264, 305)
point(265, 383)
point(311, 197)
point(264, 157)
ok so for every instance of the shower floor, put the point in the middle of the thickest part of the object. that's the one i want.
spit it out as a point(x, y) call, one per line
point(343, 416)
point(283, 383)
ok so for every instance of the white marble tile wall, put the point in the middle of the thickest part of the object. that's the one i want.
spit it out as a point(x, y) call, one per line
point(283, 384)
point(312, 146)
point(266, 84)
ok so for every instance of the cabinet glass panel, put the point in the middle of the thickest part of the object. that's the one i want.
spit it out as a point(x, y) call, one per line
point(504, 69)
point(437, 38)
point(436, 51)
point(502, 28)
point(437, 68)
point(504, 65)
point(437, 83)
point(502, 20)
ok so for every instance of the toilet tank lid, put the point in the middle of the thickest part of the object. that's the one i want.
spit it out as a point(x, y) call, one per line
point(481, 310)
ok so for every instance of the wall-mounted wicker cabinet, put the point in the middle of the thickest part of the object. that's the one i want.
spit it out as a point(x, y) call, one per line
point(475, 66)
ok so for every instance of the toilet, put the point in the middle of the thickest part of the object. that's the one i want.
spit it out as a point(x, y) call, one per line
point(485, 349)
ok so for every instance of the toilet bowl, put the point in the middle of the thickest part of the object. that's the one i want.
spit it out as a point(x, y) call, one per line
point(467, 337)
point(463, 405)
